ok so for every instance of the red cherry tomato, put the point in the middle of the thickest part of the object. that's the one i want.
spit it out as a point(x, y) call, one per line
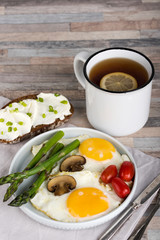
point(126, 172)
point(109, 173)
point(120, 187)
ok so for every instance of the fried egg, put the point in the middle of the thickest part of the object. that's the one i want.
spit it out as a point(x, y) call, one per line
point(88, 200)
point(99, 154)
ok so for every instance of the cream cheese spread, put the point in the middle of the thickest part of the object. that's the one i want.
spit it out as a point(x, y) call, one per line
point(18, 118)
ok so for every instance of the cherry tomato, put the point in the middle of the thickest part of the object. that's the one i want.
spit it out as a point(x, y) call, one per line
point(120, 187)
point(126, 171)
point(109, 173)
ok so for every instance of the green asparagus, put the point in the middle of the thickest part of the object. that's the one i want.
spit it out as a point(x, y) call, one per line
point(42, 152)
point(42, 165)
point(31, 192)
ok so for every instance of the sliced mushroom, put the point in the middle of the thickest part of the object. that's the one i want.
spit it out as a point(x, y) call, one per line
point(73, 163)
point(61, 184)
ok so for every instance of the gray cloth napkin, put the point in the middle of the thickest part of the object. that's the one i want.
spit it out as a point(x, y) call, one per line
point(15, 225)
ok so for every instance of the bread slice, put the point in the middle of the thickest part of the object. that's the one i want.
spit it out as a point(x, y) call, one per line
point(39, 128)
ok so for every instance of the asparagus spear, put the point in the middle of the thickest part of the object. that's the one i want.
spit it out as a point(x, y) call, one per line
point(14, 186)
point(42, 152)
point(42, 165)
point(31, 192)
point(47, 146)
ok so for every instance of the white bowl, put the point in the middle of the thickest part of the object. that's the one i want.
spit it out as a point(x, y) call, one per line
point(24, 155)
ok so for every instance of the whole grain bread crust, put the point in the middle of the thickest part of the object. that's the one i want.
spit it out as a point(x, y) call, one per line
point(39, 128)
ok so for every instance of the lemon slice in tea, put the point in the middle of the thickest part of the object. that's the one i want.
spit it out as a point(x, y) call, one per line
point(118, 82)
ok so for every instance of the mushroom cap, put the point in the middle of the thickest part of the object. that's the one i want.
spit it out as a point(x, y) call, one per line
point(61, 184)
point(73, 163)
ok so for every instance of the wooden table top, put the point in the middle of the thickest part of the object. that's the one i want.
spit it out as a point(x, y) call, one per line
point(38, 42)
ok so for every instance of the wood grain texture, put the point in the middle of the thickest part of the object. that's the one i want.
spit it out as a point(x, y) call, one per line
point(38, 42)
point(69, 36)
point(31, 28)
point(50, 18)
point(115, 25)
point(2, 10)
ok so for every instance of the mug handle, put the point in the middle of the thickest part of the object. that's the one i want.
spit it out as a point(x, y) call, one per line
point(79, 61)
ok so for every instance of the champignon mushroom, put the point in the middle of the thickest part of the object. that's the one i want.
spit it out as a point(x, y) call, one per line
point(61, 184)
point(73, 163)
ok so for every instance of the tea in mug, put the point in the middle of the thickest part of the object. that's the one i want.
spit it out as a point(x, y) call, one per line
point(118, 74)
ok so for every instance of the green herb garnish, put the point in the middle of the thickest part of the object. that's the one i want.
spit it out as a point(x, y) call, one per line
point(43, 115)
point(64, 102)
point(10, 129)
point(20, 123)
point(29, 114)
point(40, 99)
point(51, 109)
point(15, 110)
point(56, 94)
point(2, 132)
point(15, 129)
point(9, 123)
point(23, 104)
point(10, 105)
point(1, 119)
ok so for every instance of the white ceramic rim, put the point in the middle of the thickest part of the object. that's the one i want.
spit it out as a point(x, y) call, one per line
point(38, 216)
point(148, 61)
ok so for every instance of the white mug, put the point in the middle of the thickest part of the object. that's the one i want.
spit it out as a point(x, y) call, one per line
point(118, 114)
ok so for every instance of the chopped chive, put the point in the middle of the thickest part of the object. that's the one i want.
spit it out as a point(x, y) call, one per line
point(9, 123)
point(15, 129)
point(29, 114)
point(23, 104)
point(40, 99)
point(15, 110)
point(10, 129)
point(1, 132)
point(20, 123)
point(1, 119)
point(10, 105)
point(43, 115)
point(64, 102)
point(51, 109)
point(56, 94)
point(37, 100)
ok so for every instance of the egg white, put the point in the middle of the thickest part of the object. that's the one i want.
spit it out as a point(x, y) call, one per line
point(55, 206)
point(93, 165)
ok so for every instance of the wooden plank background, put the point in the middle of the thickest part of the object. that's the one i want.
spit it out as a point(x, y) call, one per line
point(39, 39)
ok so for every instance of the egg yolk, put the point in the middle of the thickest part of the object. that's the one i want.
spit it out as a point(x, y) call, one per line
point(97, 149)
point(84, 202)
